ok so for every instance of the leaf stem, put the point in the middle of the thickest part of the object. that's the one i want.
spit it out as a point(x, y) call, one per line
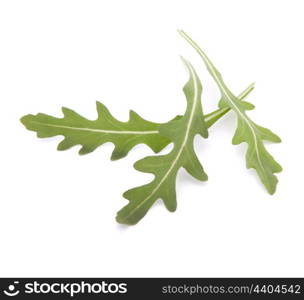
point(212, 117)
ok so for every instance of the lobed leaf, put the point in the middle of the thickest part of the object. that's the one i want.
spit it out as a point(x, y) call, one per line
point(78, 130)
point(165, 167)
point(247, 131)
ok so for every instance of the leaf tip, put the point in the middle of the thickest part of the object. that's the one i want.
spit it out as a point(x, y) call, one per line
point(271, 190)
point(123, 221)
point(67, 112)
point(64, 145)
point(99, 105)
point(134, 116)
point(185, 61)
point(84, 151)
point(125, 218)
point(278, 139)
point(24, 119)
point(116, 156)
point(181, 32)
point(171, 208)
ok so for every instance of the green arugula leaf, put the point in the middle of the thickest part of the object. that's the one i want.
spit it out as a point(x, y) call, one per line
point(165, 167)
point(91, 134)
point(247, 131)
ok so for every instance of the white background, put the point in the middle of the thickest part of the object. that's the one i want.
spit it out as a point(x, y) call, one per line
point(58, 208)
